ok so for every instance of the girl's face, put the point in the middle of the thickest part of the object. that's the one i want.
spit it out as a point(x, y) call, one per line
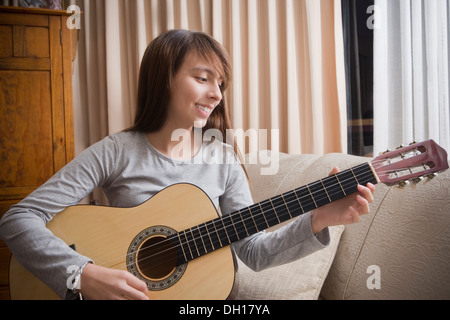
point(196, 93)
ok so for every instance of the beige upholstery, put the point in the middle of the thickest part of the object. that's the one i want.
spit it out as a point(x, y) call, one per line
point(406, 236)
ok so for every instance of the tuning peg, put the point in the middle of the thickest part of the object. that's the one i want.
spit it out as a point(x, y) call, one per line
point(413, 143)
point(417, 180)
point(401, 146)
point(403, 184)
point(432, 176)
point(385, 152)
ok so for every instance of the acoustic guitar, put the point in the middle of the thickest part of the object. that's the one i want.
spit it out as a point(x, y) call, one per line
point(177, 243)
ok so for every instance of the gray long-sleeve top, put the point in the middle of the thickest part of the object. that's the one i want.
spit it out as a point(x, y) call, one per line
point(130, 171)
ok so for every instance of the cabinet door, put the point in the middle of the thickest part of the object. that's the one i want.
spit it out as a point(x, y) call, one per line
point(25, 132)
point(32, 112)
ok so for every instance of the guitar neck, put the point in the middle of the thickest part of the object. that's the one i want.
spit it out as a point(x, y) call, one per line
point(223, 231)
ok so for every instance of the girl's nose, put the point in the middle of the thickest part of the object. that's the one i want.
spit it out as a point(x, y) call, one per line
point(216, 93)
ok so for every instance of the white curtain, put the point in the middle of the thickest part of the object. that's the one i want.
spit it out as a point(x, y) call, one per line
point(288, 65)
point(411, 72)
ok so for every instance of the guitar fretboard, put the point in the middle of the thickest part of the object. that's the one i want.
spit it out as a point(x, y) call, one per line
point(223, 231)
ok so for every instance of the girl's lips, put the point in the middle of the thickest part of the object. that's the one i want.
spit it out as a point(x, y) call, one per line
point(206, 110)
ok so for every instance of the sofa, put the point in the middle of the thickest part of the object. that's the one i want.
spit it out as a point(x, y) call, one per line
point(400, 250)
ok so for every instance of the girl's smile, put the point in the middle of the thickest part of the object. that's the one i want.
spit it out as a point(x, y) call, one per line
point(206, 110)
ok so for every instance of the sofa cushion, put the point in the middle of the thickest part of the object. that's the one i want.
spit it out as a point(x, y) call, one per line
point(298, 280)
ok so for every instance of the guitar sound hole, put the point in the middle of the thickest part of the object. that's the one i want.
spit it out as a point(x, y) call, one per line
point(156, 258)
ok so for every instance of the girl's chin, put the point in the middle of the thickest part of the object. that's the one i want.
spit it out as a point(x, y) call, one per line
point(200, 123)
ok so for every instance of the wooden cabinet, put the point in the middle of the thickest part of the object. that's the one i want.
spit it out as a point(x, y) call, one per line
point(36, 117)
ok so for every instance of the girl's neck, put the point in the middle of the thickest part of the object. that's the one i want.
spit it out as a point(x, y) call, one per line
point(178, 144)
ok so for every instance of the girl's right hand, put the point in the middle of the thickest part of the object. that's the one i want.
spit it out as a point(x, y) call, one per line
point(100, 283)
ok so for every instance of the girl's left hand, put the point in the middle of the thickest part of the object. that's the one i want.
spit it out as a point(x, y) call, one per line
point(344, 211)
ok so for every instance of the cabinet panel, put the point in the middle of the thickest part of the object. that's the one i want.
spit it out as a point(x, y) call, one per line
point(26, 155)
point(6, 49)
point(31, 41)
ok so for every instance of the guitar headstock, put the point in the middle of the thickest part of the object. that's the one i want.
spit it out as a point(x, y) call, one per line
point(410, 164)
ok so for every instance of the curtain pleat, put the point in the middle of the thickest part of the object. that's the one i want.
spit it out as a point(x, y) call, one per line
point(287, 60)
point(412, 73)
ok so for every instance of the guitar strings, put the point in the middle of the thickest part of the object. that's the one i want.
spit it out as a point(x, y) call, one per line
point(257, 216)
point(161, 257)
point(171, 246)
point(170, 242)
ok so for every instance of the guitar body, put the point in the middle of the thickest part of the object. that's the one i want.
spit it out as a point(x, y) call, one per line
point(109, 236)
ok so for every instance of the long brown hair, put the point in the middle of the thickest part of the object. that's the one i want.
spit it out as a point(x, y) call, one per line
point(160, 63)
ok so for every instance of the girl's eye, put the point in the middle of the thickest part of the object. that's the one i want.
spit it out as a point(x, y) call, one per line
point(200, 79)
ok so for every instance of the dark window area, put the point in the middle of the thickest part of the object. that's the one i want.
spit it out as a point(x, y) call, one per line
point(357, 17)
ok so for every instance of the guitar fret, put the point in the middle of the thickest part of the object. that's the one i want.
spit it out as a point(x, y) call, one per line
point(201, 238)
point(306, 198)
point(188, 245)
point(195, 242)
point(243, 223)
point(257, 212)
point(284, 201)
point(192, 244)
point(218, 237)
point(356, 179)
point(225, 230)
point(209, 235)
point(299, 203)
point(312, 197)
point(234, 227)
point(348, 181)
point(267, 211)
point(198, 241)
point(229, 228)
point(340, 184)
point(275, 212)
point(292, 204)
point(222, 232)
point(253, 219)
point(334, 190)
point(324, 188)
point(320, 193)
point(202, 231)
point(273, 208)
point(181, 245)
point(280, 206)
point(249, 222)
point(264, 215)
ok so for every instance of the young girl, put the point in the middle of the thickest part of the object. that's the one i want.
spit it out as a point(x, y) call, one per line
point(182, 81)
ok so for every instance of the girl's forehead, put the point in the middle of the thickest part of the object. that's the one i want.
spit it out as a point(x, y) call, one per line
point(196, 62)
